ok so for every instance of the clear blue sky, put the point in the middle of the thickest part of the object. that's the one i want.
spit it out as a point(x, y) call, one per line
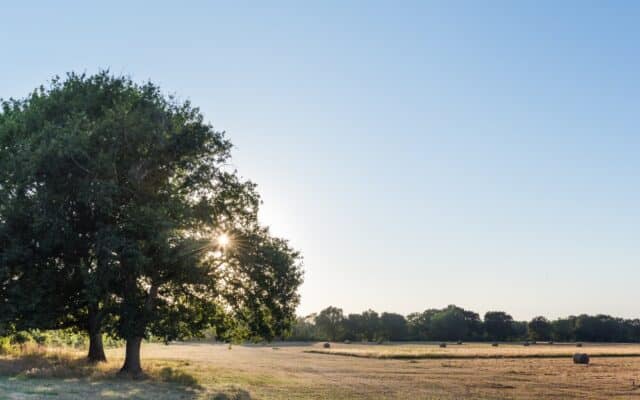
point(418, 154)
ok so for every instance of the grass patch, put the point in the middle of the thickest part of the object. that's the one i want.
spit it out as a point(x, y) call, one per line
point(69, 364)
point(172, 375)
point(208, 371)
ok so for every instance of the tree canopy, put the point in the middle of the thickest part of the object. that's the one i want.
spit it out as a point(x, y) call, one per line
point(539, 328)
point(498, 324)
point(454, 323)
point(112, 196)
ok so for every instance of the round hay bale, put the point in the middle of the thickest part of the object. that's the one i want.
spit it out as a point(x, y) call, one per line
point(326, 345)
point(578, 344)
point(581, 358)
point(347, 341)
point(443, 345)
point(494, 344)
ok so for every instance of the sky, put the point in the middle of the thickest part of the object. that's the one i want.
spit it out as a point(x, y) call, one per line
point(418, 154)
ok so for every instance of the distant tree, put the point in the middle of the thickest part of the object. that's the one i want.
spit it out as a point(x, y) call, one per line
point(598, 328)
point(632, 330)
point(393, 327)
point(304, 329)
point(419, 324)
point(449, 324)
point(563, 329)
point(539, 328)
point(519, 330)
point(330, 322)
point(587, 328)
point(474, 325)
point(370, 325)
point(455, 323)
point(353, 327)
point(498, 325)
point(414, 326)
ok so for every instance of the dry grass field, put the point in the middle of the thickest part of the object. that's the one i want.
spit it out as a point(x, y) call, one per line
point(478, 350)
point(291, 371)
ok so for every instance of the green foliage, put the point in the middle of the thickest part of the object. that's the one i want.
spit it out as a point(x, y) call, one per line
point(111, 197)
point(20, 338)
point(304, 329)
point(539, 328)
point(454, 323)
point(370, 323)
point(57, 338)
point(519, 330)
point(498, 325)
point(354, 327)
point(393, 327)
point(451, 323)
point(563, 329)
point(5, 345)
point(330, 322)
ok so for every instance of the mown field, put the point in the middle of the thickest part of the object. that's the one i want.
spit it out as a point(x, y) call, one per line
point(478, 350)
point(295, 371)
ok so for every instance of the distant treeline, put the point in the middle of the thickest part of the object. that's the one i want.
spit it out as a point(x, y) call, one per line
point(454, 324)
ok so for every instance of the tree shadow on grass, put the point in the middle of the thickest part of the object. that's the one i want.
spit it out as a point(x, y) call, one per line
point(168, 374)
point(31, 374)
point(237, 394)
point(82, 389)
point(45, 365)
point(41, 375)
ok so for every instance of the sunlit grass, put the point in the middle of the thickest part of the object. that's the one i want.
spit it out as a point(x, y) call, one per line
point(34, 370)
point(68, 363)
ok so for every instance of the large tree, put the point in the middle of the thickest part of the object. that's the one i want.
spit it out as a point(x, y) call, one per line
point(48, 222)
point(141, 185)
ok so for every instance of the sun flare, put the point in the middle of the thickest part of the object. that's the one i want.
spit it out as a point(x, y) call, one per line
point(224, 240)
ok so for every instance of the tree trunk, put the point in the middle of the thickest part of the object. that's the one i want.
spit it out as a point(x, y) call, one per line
point(132, 365)
point(96, 349)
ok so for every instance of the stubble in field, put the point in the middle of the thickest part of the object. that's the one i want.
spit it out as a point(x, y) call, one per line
point(289, 371)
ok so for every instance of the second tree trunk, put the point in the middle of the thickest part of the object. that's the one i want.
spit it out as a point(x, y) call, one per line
point(132, 365)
